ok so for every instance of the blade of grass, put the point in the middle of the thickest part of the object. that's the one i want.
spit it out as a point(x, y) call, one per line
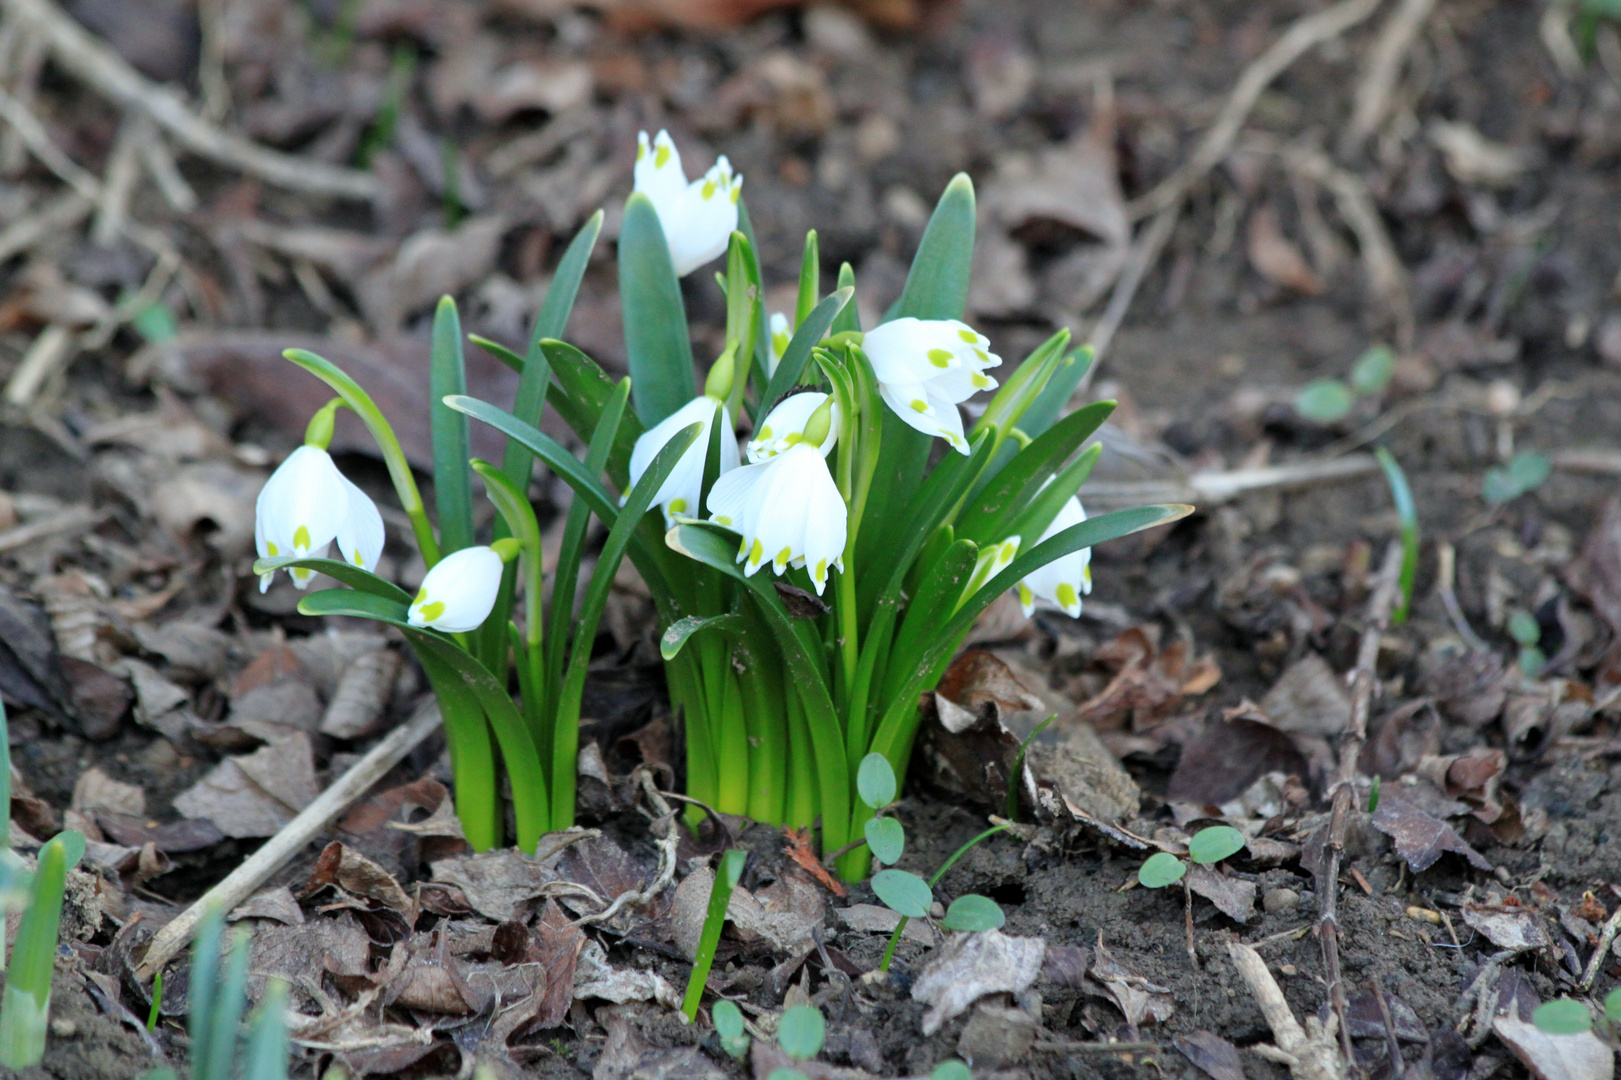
point(1407, 512)
point(720, 896)
point(447, 376)
point(26, 1007)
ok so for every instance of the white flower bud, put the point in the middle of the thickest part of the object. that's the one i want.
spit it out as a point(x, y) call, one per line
point(1063, 581)
point(459, 592)
point(301, 509)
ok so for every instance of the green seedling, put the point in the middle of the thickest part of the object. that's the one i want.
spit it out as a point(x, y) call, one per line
point(720, 897)
point(904, 893)
point(1525, 472)
point(729, 1027)
point(1567, 1016)
point(1208, 845)
point(1018, 767)
point(800, 1034)
point(219, 1049)
point(1373, 795)
point(951, 1069)
point(156, 1010)
point(1325, 401)
point(1527, 634)
point(25, 1010)
point(1407, 513)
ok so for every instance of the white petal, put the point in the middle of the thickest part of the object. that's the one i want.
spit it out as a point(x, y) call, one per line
point(781, 334)
point(699, 230)
point(459, 591)
point(1065, 580)
point(892, 349)
point(734, 500)
point(360, 538)
point(918, 407)
point(788, 419)
point(302, 577)
point(659, 176)
point(300, 508)
point(788, 511)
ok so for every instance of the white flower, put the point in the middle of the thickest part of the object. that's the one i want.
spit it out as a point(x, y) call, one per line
point(784, 426)
point(788, 511)
point(682, 489)
point(698, 218)
point(459, 591)
point(305, 505)
point(925, 367)
point(1064, 580)
point(781, 334)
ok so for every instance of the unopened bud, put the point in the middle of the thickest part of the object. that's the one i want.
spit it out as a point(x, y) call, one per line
point(507, 547)
point(719, 383)
point(319, 432)
point(820, 423)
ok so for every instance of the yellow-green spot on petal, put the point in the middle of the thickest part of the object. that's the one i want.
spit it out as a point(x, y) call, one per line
point(821, 570)
point(661, 156)
point(1086, 576)
point(756, 552)
point(940, 358)
point(272, 548)
point(1025, 596)
point(723, 519)
point(301, 574)
point(737, 191)
point(743, 548)
point(641, 150)
point(432, 611)
point(782, 557)
point(968, 336)
point(422, 594)
point(779, 343)
point(919, 405)
point(678, 506)
point(765, 433)
point(301, 538)
point(708, 191)
point(360, 559)
point(1066, 595)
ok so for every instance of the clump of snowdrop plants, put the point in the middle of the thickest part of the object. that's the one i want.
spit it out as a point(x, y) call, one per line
point(816, 526)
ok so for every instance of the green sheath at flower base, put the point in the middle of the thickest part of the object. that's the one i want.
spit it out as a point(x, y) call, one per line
point(25, 1010)
point(318, 432)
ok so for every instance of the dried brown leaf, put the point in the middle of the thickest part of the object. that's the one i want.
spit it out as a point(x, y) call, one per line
point(1276, 257)
point(1233, 897)
point(969, 966)
point(1421, 838)
point(1211, 1053)
point(1556, 1057)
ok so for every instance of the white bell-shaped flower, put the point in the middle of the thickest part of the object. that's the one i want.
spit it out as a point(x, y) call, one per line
point(682, 489)
point(782, 332)
point(304, 506)
point(459, 592)
point(784, 426)
point(698, 218)
point(360, 537)
point(1063, 581)
point(788, 511)
point(926, 367)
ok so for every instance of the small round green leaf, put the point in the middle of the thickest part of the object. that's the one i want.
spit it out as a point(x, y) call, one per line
point(886, 838)
point(1215, 844)
point(1562, 1016)
point(951, 1070)
point(1523, 628)
point(728, 1019)
point(1612, 1006)
point(1323, 400)
point(787, 1074)
point(973, 912)
point(1497, 486)
point(875, 781)
point(905, 893)
point(800, 1032)
point(1528, 469)
point(1532, 661)
point(1160, 869)
point(1372, 371)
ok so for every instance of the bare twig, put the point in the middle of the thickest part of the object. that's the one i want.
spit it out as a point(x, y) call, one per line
point(68, 519)
point(257, 868)
point(1446, 586)
point(1303, 35)
point(59, 214)
point(1213, 488)
point(51, 351)
point(1385, 58)
point(1605, 940)
point(1307, 1051)
point(1398, 1067)
point(92, 61)
point(1380, 605)
point(118, 185)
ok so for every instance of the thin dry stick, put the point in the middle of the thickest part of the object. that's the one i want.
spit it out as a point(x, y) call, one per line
point(1307, 1051)
point(1385, 58)
point(1380, 605)
point(257, 868)
point(1212, 488)
point(57, 215)
point(1303, 35)
point(92, 61)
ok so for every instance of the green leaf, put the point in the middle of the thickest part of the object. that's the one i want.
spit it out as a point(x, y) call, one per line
point(580, 390)
point(951, 1070)
point(886, 838)
point(1532, 661)
point(72, 846)
point(156, 324)
point(727, 875)
point(972, 913)
point(1524, 628)
point(1009, 491)
point(728, 1020)
point(1160, 869)
point(811, 330)
point(1323, 401)
point(850, 317)
point(552, 320)
point(787, 1074)
point(1407, 513)
point(1528, 469)
point(937, 284)
point(875, 782)
point(1562, 1016)
point(448, 375)
point(230, 1002)
point(344, 573)
point(25, 1010)
point(655, 318)
point(357, 604)
point(800, 1032)
point(267, 1041)
point(1498, 486)
point(676, 636)
point(1213, 844)
point(810, 279)
point(902, 892)
point(1054, 397)
point(1372, 371)
point(1612, 1006)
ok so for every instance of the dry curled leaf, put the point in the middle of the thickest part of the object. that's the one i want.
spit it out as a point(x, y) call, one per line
point(1421, 838)
point(969, 966)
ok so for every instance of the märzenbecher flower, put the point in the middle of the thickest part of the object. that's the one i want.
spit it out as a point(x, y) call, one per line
point(926, 367)
point(698, 218)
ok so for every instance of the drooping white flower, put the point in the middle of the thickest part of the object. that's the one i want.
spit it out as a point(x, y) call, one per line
point(784, 426)
point(1064, 580)
point(681, 490)
point(926, 367)
point(459, 592)
point(698, 218)
point(781, 334)
point(305, 505)
point(788, 511)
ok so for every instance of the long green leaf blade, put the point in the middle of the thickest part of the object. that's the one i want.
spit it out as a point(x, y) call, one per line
point(937, 285)
point(448, 375)
point(812, 329)
point(26, 1007)
point(656, 340)
point(345, 573)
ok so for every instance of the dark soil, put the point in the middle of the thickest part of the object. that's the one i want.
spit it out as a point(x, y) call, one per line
point(1514, 297)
